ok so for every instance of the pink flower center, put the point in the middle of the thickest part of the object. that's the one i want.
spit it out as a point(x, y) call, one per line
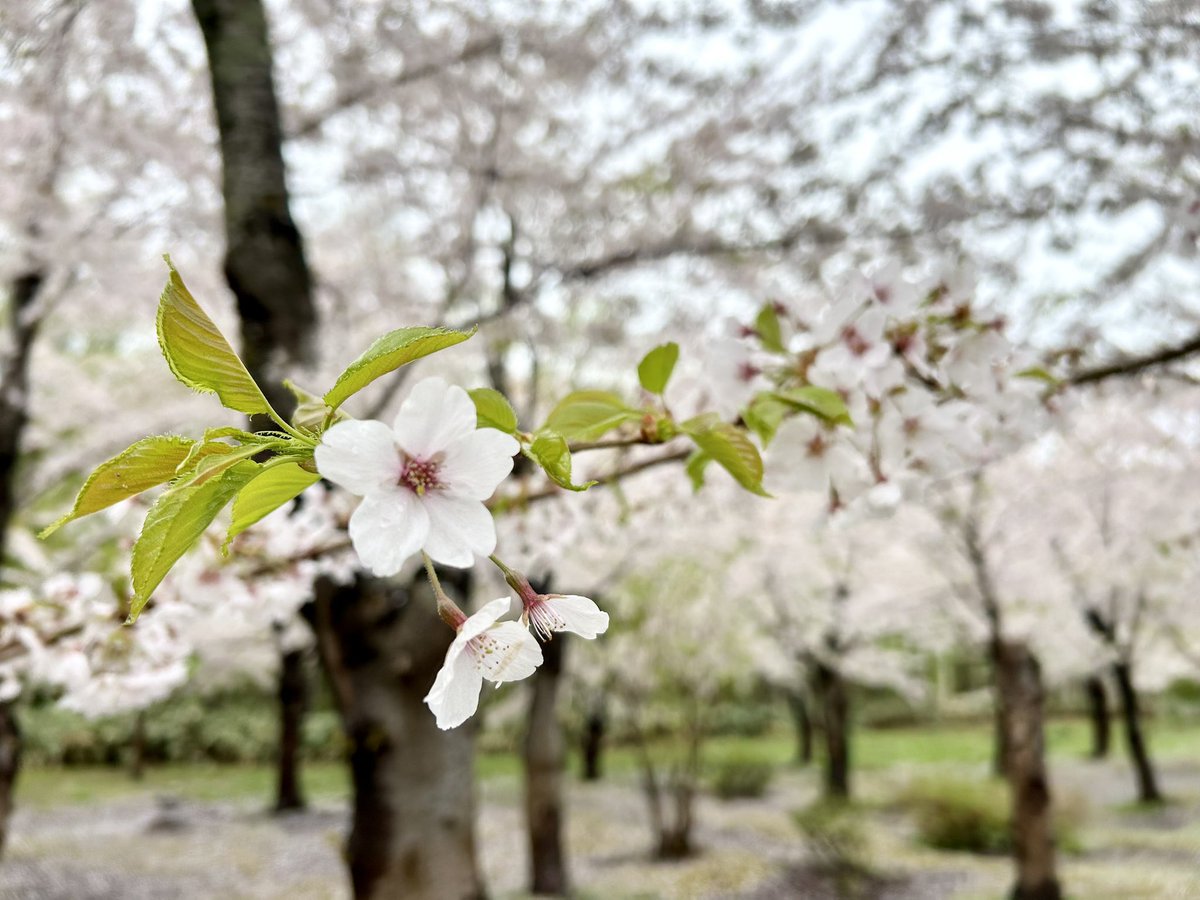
point(747, 371)
point(543, 619)
point(420, 475)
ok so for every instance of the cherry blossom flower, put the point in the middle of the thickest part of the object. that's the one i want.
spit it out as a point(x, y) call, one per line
point(546, 614)
point(484, 648)
point(423, 481)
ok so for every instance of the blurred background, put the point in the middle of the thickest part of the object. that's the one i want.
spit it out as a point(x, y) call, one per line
point(787, 704)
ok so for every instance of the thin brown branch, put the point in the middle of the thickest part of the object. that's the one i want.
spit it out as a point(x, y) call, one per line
point(1135, 365)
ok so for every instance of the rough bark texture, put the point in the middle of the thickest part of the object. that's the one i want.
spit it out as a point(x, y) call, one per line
point(264, 256)
point(293, 700)
point(412, 834)
point(592, 743)
point(798, 704)
point(545, 760)
point(1098, 714)
point(10, 762)
point(1020, 683)
point(834, 698)
point(1131, 718)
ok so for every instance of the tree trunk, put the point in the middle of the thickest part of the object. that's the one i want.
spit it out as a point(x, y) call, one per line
point(592, 749)
point(835, 720)
point(264, 254)
point(544, 759)
point(1020, 682)
point(1131, 718)
point(1000, 737)
point(1098, 714)
point(265, 264)
point(10, 763)
point(14, 391)
point(293, 700)
point(800, 717)
point(137, 747)
point(412, 834)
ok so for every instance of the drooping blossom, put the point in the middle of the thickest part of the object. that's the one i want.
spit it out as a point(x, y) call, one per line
point(423, 481)
point(483, 648)
point(546, 614)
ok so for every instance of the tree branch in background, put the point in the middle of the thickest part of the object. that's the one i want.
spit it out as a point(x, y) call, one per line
point(1135, 365)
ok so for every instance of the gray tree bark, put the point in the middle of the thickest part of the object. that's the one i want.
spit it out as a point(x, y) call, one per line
point(1131, 717)
point(265, 264)
point(1020, 683)
point(10, 764)
point(544, 756)
point(1098, 715)
point(414, 802)
point(834, 698)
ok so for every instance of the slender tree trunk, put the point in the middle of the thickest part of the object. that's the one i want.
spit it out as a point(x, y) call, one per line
point(1000, 735)
point(265, 264)
point(798, 704)
point(1131, 718)
point(1020, 682)
point(14, 413)
point(10, 763)
point(835, 720)
point(293, 700)
point(1098, 714)
point(544, 759)
point(412, 834)
point(592, 742)
point(137, 747)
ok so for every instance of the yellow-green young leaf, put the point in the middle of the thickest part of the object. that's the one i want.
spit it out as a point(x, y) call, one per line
point(654, 371)
point(215, 458)
point(767, 326)
point(695, 466)
point(819, 401)
point(764, 415)
point(198, 353)
point(311, 413)
point(492, 410)
point(589, 415)
point(1040, 374)
point(150, 462)
point(390, 352)
point(175, 522)
point(270, 489)
point(550, 451)
point(730, 447)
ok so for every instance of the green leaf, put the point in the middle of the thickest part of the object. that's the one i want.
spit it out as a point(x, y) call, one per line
point(198, 353)
point(492, 410)
point(764, 415)
point(767, 326)
point(271, 488)
point(311, 413)
point(654, 371)
point(589, 415)
point(147, 463)
point(1039, 374)
point(388, 353)
point(819, 401)
point(549, 450)
point(695, 466)
point(216, 457)
point(730, 447)
point(175, 522)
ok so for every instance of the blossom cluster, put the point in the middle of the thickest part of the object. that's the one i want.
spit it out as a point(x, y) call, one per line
point(423, 483)
point(929, 383)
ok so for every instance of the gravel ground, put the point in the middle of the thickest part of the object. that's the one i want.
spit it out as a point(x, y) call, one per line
point(143, 846)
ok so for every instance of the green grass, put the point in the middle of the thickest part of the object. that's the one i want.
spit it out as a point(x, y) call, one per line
point(872, 750)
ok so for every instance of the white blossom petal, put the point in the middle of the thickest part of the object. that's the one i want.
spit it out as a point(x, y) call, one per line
point(389, 526)
point(433, 416)
point(580, 615)
point(484, 618)
point(458, 529)
point(359, 456)
point(454, 696)
point(475, 465)
point(506, 652)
